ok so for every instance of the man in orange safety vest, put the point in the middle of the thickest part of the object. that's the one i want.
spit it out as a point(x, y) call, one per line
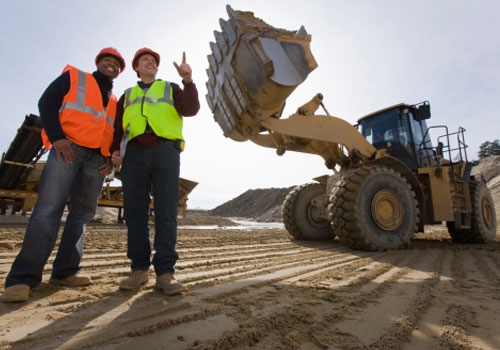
point(77, 111)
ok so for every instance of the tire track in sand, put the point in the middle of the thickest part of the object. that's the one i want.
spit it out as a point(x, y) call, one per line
point(257, 288)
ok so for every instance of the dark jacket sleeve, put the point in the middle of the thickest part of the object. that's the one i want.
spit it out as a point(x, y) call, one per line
point(118, 133)
point(186, 101)
point(49, 105)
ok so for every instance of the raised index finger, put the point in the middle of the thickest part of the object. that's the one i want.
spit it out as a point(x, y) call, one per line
point(184, 57)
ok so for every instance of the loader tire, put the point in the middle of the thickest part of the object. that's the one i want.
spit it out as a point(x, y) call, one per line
point(300, 216)
point(483, 218)
point(373, 208)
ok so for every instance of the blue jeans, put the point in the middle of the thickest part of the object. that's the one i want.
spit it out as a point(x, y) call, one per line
point(59, 180)
point(145, 171)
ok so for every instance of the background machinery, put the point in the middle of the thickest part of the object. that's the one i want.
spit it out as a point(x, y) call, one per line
point(388, 179)
point(19, 170)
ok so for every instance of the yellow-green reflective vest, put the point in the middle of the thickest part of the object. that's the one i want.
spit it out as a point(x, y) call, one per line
point(155, 107)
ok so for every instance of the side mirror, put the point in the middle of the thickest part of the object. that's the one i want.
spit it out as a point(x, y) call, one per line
point(423, 112)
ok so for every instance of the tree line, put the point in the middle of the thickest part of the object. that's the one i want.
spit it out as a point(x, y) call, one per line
point(488, 149)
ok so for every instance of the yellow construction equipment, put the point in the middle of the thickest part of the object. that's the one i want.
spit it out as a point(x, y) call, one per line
point(388, 179)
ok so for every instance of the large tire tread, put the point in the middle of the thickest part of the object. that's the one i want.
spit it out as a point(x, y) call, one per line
point(479, 231)
point(294, 220)
point(346, 221)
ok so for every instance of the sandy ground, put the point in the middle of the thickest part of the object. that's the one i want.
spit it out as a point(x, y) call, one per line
point(257, 289)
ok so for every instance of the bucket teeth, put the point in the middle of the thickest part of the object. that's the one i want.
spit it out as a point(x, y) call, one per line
point(230, 12)
point(253, 68)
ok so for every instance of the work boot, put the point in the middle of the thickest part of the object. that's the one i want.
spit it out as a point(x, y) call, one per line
point(136, 279)
point(16, 293)
point(168, 284)
point(71, 281)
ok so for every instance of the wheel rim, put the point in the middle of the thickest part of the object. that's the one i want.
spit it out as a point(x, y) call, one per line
point(487, 212)
point(387, 210)
point(312, 215)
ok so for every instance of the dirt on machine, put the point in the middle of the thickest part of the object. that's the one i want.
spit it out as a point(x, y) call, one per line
point(391, 174)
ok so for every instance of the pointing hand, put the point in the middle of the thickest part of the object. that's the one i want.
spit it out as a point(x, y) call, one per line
point(184, 70)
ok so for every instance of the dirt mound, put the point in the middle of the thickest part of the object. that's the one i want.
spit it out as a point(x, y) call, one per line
point(489, 168)
point(192, 218)
point(260, 204)
point(202, 220)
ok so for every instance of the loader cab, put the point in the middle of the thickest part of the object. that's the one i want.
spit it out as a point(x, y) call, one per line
point(402, 130)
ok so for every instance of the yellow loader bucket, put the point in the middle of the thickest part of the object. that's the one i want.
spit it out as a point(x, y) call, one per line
point(252, 70)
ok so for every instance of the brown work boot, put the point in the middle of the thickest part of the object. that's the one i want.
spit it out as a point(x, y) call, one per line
point(136, 279)
point(71, 281)
point(16, 293)
point(168, 284)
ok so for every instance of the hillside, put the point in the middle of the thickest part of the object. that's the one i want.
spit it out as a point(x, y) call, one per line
point(259, 204)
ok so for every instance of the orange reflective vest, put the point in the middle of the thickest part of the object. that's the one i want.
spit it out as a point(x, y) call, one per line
point(83, 118)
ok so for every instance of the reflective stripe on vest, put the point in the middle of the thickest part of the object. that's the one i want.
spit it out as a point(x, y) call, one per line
point(153, 107)
point(82, 116)
point(79, 105)
point(140, 99)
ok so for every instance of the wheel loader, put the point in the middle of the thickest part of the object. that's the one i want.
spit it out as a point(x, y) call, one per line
point(391, 174)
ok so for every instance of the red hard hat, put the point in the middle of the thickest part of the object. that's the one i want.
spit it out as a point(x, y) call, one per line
point(143, 51)
point(112, 52)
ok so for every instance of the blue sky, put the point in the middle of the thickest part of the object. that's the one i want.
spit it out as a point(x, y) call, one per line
point(371, 54)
